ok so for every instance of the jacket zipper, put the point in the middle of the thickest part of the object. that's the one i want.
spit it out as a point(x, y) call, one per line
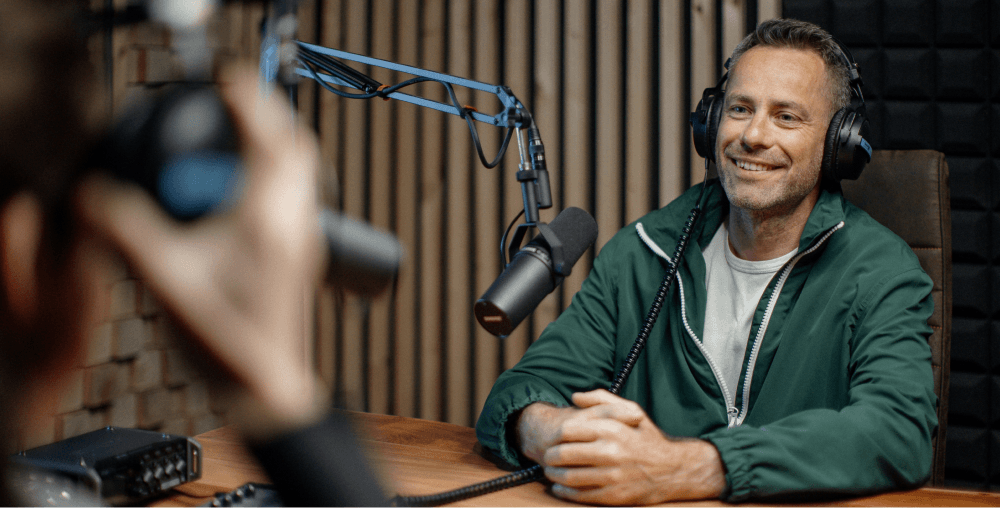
point(731, 411)
point(762, 330)
point(734, 415)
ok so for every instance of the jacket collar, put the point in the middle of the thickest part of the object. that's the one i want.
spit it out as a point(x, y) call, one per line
point(828, 212)
point(663, 226)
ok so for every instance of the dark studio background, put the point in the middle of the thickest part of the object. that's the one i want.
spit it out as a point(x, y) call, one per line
point(932, 80)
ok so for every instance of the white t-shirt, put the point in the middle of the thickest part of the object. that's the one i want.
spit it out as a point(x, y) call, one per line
point(734, 288)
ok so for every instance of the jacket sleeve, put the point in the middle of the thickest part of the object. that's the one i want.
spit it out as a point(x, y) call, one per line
point(880, 440)
point(574, 353)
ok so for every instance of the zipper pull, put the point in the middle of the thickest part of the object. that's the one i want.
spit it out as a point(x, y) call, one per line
point(733, 415)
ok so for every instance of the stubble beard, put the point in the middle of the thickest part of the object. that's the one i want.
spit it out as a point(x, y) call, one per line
point(772, 200)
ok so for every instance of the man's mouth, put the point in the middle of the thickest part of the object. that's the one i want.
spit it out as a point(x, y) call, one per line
point(752, 166)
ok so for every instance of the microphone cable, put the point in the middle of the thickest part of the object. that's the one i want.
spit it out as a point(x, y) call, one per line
point(503, 240)
point(312, 60)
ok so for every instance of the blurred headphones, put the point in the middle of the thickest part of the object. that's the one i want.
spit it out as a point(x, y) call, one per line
point(846, 150)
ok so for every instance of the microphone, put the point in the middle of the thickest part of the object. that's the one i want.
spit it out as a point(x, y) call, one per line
point(532, 275)
point(362, 259)
point(182, 149)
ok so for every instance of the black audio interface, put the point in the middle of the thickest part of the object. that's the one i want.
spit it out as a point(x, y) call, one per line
point(122, 465)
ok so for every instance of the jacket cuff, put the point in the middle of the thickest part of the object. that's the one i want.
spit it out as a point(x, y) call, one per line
point(495, 428)
point(740, 478)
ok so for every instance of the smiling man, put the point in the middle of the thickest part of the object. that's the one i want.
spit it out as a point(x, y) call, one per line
point(789, 361)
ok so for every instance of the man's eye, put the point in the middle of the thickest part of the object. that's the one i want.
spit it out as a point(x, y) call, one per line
point(739, 109)
point(786, 117)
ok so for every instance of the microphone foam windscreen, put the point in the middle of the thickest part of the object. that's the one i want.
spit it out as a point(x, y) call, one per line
point(577, 230)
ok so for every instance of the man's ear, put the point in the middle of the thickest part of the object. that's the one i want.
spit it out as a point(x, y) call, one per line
point(21, 221)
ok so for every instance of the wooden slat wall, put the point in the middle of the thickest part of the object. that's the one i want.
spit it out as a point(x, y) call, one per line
point(487, 49)
point(610, 122)
point(518, 49)
point(578, 131)
point(380, 210)
point(405, 335)
point(610, 84)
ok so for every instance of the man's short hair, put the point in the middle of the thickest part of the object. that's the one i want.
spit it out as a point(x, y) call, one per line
point(795, 34)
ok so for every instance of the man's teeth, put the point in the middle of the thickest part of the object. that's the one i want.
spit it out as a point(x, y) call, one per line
point(749, 166)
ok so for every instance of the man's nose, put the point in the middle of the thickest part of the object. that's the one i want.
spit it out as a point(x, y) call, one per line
point(756, 132)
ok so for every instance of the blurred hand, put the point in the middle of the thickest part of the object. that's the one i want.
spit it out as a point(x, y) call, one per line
point(238, 281)
point(606, 450)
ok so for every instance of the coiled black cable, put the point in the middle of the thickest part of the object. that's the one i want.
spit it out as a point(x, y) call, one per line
point(480, 489)
point(536, 472)
point(658, 300)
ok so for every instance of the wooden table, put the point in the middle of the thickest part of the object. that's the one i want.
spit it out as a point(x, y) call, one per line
point(418, 457)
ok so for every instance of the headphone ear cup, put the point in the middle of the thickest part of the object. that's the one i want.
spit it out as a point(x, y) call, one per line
point(853, 152)
point(705, 122)
point(846, 150)
point(830, 147)
point(714, 117)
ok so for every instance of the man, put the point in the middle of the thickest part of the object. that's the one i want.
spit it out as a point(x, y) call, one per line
point(791, 358)
point(237, 281)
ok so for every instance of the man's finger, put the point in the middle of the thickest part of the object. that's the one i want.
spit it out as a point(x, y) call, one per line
point(267, 127)
point(600, 495)
point(280, 156)
point(580, 477)
point(565, 492)
point(262, 121)
point(607, 405)
point(590, 429)
point(130, 218)
point(588, 453)
point(124, 213)
point(593, 398)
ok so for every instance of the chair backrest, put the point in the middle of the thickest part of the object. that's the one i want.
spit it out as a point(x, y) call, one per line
point(907, 191)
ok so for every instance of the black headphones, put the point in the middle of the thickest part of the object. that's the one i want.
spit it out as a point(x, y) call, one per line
point(846, 150)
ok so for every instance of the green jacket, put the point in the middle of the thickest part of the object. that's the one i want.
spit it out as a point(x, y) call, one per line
point(836, 394)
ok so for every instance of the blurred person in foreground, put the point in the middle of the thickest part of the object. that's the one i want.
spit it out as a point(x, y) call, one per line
point(238, 281)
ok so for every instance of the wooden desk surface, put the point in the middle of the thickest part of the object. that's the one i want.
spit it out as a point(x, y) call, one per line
point(418, 457)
